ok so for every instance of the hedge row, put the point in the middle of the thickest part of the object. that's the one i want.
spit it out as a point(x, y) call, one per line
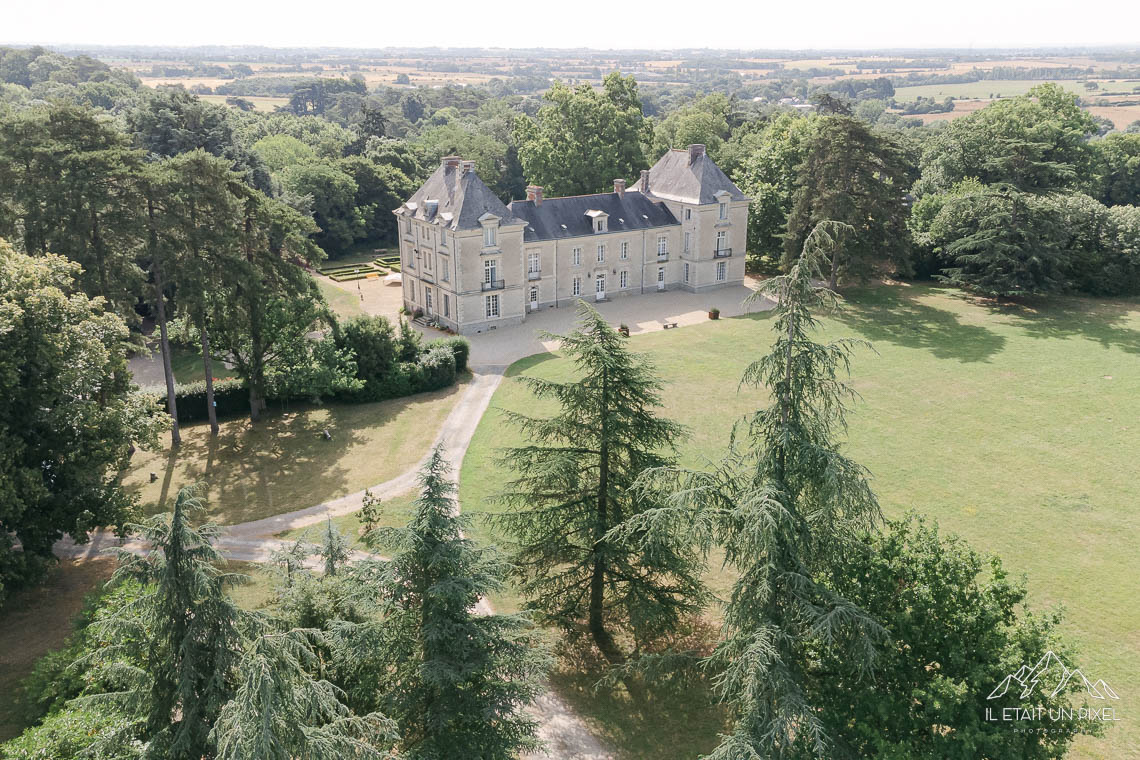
point(231, 398)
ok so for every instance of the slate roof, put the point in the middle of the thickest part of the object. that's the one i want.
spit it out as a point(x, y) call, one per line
point(461, 199)
point(558, 218)
point(674, 178)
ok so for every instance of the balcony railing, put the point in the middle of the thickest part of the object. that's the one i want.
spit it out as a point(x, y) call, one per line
point(493, 284)
point(662, 257)
point(722, 253)
point(534, 275)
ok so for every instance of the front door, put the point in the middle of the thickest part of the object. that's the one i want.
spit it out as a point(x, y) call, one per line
point(427, 301)
point(660, 278)
point(533, 298)
point(600, 287)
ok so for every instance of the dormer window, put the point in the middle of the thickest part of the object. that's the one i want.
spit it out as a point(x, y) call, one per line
point(490, 236)
point(723, 210)
point(599, 220)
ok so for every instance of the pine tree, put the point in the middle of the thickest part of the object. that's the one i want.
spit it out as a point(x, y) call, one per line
point(853, 174)
point(575, 483)
point(784, 506)
point(185, 631)
point(459, 680)
point(281, 712)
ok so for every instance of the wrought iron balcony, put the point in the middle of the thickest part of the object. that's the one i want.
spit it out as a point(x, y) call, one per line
point(722, 253)
point(493, 284)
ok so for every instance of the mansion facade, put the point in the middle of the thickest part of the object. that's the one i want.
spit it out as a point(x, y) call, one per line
point(472, 263)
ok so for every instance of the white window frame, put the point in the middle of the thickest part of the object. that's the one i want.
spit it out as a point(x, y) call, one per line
point(576, 286)
point(445, 271)
point(623, 279)
point(688, 214)
point(490, 270)
point(446, 305)
point(686, 269)
point(491, 306)
point(576, 257)
point(723, 211)
point(427, 261)
point(601, 253)
point(624, 250)
point(722, 240)
point(533, 262)
point(443, 236)
point(490, 235)
point(721, 271)
point(688, 241)
point(662, 245)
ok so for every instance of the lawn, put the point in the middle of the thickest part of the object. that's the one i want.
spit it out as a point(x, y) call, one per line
point(284, 462)
point(1014, 426)
point(344, 303)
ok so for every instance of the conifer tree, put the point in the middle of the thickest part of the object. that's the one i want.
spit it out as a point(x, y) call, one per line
point(459, 680)
point(785, 507)
point(574, 484)
point(185, 631)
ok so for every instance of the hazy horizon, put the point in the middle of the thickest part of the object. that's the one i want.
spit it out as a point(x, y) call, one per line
point(830, 25)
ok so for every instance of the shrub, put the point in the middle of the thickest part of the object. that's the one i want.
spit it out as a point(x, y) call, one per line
point(435, 369)
point(459, 347)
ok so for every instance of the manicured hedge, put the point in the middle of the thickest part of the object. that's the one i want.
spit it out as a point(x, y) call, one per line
point(231, 398)
point(458, 346)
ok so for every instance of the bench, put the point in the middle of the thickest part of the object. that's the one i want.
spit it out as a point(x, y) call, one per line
point(669, 325)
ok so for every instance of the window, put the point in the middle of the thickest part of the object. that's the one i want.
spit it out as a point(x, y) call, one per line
point(662, 246)
point(576, 287)
point(413, 291)
point(723, 210)
point(427, 300)
point(534, 297)
point(490, 271)
point(493, 306)
point(427, 261)
point(688, 214)
point(624, 279)
point(489, 236)
point(721, 271)
point(686, 271)
point(443, 236)
point(446, 305)
point(412, 259)
point(601, 253)
point(532, 263)
point(624, 250)
point(576, 257)
point(687, 237)
point(599, 225)
point(445, 273)
point(722, 241)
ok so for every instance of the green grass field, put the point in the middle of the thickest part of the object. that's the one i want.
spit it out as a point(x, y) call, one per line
point(1015, 426)
point(284, 463)
point(263, 103)
point(998, 88)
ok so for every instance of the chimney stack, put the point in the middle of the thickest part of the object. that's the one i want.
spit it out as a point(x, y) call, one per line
point(695, 151)
point(645, 180)
point(619, 187)
point(467, 166)
point(450, 162)
point(534, 193)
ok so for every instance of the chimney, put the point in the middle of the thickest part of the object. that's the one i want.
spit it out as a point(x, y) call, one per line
point(695, 151)
point(467, 166)
point(645, 180)
point(534, 193)
point(619, 187)
point(450, 162)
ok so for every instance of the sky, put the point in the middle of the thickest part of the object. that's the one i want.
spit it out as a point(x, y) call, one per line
point(632, 24)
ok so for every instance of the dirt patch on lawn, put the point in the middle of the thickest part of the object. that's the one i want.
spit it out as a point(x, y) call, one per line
point(36, 621)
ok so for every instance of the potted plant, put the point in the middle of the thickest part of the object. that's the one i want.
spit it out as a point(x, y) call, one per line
point(624, 330)
point(714, 313)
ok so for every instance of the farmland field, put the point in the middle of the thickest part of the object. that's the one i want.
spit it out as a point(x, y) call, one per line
point(999, 88)
point(260, 103)
point(1014, 427)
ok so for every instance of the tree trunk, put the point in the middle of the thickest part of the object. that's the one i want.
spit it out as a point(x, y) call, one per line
point(208, 368)
point(164, 344)
point(833, 281)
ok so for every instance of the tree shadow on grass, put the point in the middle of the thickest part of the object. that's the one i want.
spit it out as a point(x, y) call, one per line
point(252, 471)
point(894, 314)
point(680, 721)
point(1113, 323)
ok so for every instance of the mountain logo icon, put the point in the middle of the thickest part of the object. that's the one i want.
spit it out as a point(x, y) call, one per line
point(1051, 676)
